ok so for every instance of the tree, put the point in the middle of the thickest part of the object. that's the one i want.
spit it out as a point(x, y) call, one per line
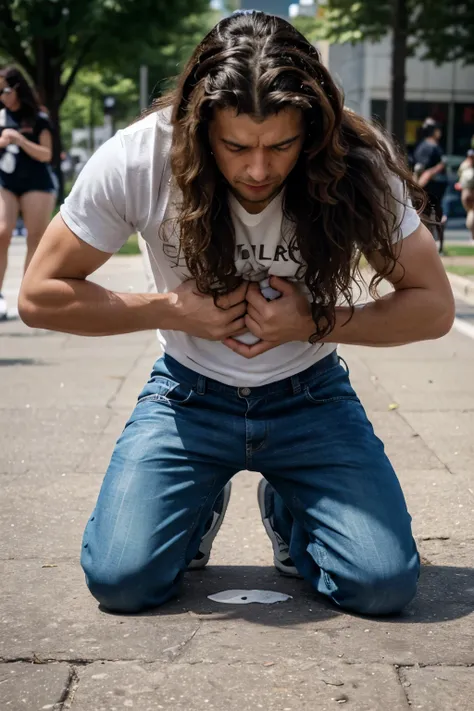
point(51, 39)
point(84, 104)
point(165, 55)
point(437, 30)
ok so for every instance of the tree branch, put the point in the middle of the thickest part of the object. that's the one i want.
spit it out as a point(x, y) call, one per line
point(11, 41)
point(79, 62)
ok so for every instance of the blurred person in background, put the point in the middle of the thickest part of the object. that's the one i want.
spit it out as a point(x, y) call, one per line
point(250, 172)
point(430, 173)
point(27, 185)
point(466, 185)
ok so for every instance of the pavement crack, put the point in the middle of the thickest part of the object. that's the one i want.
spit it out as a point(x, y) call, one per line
point(36, 659)
point(403, 681)
point(175, 652)
point(67, 698)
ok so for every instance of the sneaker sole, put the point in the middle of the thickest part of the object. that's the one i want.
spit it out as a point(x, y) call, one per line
point(208, 539)
point(286, 570)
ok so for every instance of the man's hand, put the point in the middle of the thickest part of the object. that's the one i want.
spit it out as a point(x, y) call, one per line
point(275, 322)
point(198, 315)
point(9, 135)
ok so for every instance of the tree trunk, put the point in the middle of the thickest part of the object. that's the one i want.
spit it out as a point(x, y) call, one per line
point(397, 107)
point(48, 84)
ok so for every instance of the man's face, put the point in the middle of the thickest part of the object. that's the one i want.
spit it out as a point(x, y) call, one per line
point(256, 157)
point(437, 134)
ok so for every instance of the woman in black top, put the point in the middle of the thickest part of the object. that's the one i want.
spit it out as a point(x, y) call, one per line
point(27, 184)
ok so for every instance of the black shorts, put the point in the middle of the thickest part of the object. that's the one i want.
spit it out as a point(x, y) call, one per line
point(19, 185)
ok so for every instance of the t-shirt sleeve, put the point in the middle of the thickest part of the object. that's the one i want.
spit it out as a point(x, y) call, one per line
point(95, 209)
point(42, 123)
point(407, 217)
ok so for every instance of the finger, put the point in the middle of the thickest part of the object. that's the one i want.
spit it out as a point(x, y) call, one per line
point(253, 313)
point(253, 326)
point(254, 286)
point(255, 298)
point(234, 297)
point(240, 332)
point(236, 328)
point(235, 312)
point(283, 285)
point(248, 351)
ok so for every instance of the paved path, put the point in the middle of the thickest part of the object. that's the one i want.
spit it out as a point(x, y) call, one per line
point(63, 402)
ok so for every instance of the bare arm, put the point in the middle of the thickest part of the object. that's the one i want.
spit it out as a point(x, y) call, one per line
point(42, 152)
point(56, 294)
point(421, 307)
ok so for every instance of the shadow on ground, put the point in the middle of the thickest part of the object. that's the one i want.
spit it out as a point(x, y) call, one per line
point(9, 362)
point(445, 593)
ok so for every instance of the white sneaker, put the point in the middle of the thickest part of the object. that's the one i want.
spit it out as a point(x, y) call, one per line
point(212, 529)
point(3, 308)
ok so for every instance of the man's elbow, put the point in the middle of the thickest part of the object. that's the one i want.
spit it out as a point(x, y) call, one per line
point(443, 319)
point(29, 311)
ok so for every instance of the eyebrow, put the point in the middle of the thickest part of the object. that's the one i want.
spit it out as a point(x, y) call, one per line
point(286, 142)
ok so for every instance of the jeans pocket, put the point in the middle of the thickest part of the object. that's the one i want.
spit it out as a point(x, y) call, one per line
point(163, 389)
point(332, 386)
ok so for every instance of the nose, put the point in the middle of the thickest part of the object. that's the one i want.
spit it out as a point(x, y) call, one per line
point(258, 168)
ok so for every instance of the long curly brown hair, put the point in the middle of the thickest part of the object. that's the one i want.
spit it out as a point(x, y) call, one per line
point(337, 199)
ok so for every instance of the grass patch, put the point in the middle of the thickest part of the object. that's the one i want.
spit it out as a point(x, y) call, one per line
point(461, 269)
point(130, 246)
point(453, 250)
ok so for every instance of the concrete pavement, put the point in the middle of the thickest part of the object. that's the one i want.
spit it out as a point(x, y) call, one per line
point(64, 400)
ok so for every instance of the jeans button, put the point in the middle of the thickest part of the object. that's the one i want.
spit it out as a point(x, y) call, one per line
point(245, 392)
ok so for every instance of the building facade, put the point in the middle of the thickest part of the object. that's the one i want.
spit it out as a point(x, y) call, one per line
point(446, 93)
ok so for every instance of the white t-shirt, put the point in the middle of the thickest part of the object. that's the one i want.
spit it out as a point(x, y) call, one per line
point(126, 187)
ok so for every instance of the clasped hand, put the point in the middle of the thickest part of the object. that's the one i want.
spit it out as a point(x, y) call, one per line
point(9, 135)
point(285, 319)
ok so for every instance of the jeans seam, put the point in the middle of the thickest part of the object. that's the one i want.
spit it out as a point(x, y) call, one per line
point(192, 528)
point(323, 401)
point(248, 448)
point(321, 373)
point(164, 398)
point(324, 556)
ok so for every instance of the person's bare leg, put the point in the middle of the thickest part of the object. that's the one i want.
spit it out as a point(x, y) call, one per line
point(9, 207)
point(36, 209)
point(467, 199)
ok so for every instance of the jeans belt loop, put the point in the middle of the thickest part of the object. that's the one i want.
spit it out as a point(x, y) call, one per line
point(295, 384)
point(201, 385)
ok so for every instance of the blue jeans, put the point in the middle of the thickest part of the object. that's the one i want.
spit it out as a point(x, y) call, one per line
point(338, 502)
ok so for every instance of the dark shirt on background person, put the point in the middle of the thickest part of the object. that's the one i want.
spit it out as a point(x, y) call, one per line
point(26, 166)
point(430, 154)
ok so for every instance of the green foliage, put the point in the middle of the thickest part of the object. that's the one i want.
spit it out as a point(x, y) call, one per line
point(55, 38)
point(83, 105)
point(311, 27)
point(52, 40)
point(447, 29)
point(459, 250)
point(166, 55)
point(130, 246)
point(464, 270)
point(118, 76)
point(441, 30)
